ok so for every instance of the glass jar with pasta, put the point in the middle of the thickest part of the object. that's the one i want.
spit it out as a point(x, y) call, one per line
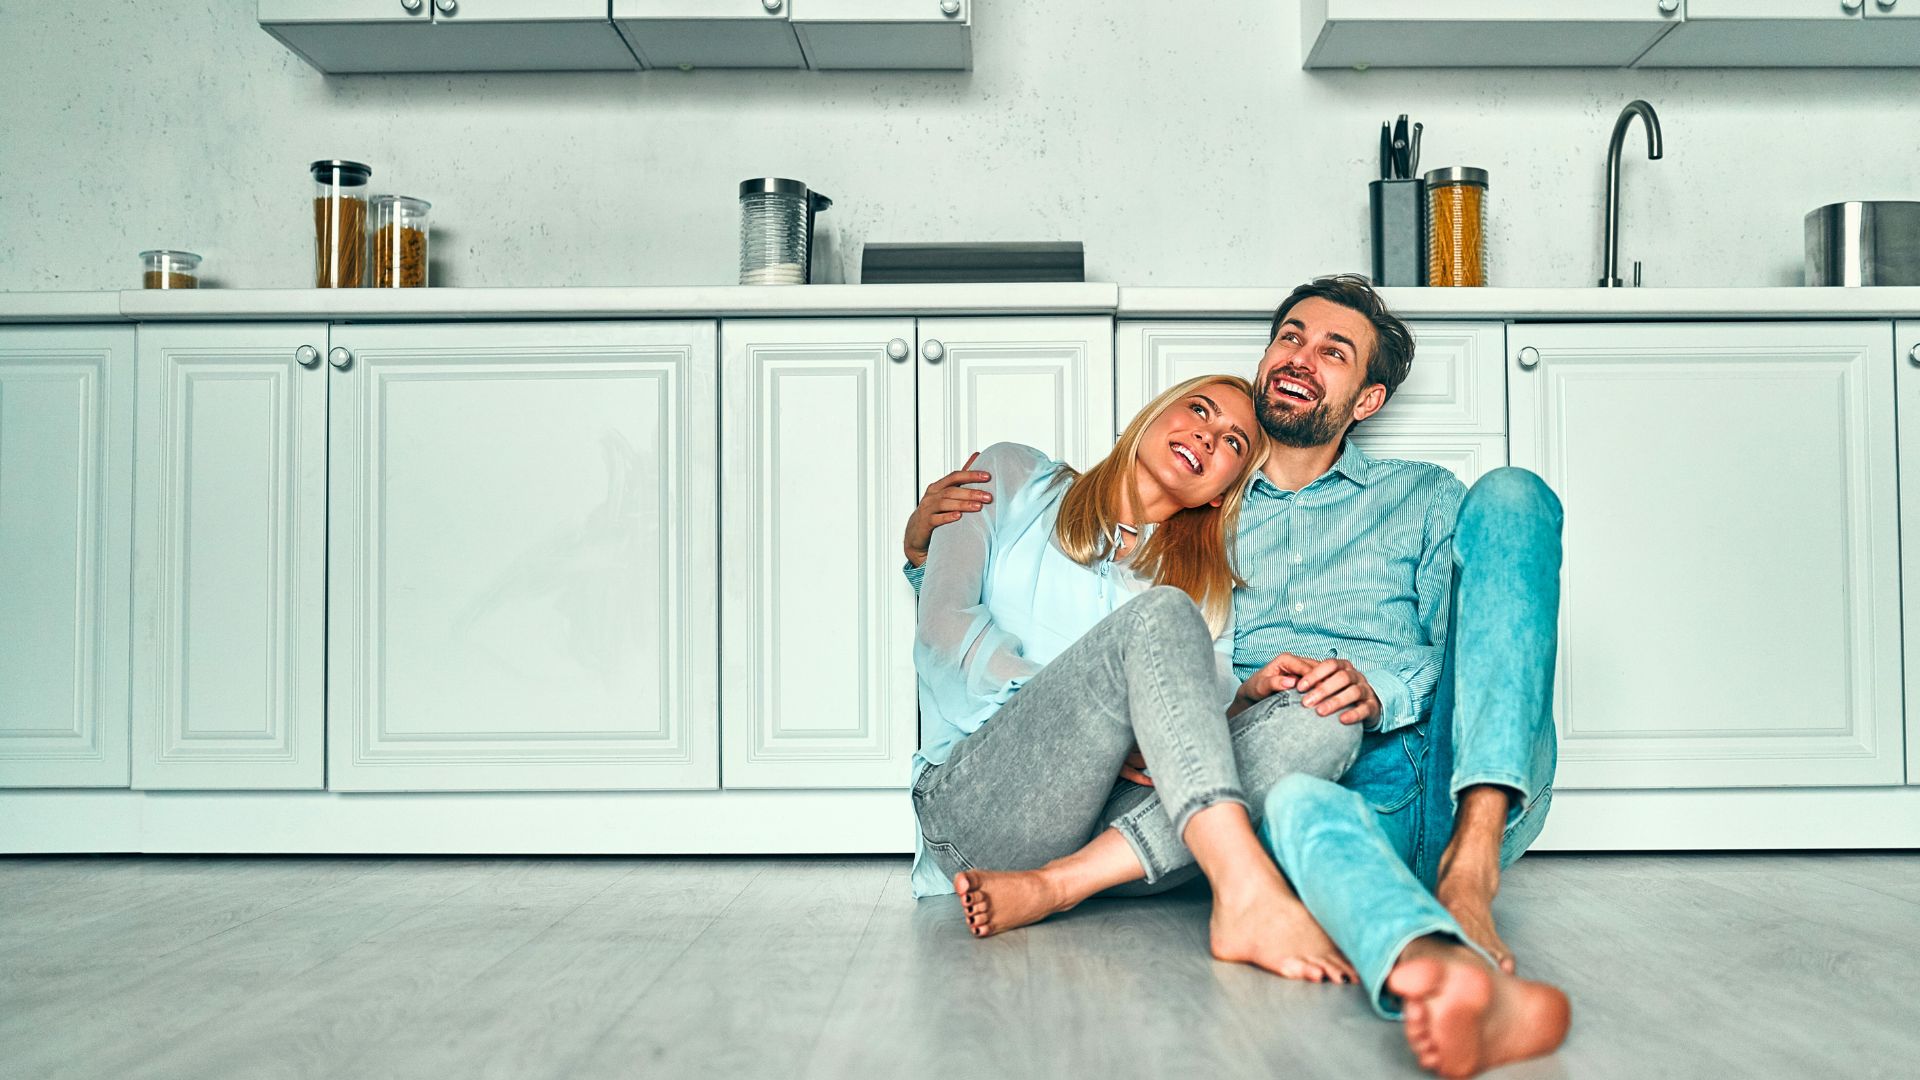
point(1457, 226)
point(400, 242)
point(340, 223)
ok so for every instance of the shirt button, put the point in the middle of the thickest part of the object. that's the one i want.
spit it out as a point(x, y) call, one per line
point(1299, 605)
point(1298, 558)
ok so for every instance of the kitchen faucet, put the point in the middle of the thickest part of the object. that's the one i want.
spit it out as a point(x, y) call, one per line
point(1610, 250)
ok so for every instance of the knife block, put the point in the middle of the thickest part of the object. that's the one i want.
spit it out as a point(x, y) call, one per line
point(1398, 212)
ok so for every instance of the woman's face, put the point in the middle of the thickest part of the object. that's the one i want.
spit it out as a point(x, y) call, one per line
point(1196, 447)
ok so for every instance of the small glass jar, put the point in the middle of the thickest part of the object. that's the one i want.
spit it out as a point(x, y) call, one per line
point(170, 269)
point(400, 242)
point(1457, 226)
point(340, 223)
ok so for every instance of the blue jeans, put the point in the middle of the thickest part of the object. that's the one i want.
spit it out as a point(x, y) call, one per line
point(1365, 856)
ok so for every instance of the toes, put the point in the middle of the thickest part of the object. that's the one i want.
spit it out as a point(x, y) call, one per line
point(1506, 963)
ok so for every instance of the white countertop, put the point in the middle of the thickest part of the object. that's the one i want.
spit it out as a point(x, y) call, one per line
point(1524, 305)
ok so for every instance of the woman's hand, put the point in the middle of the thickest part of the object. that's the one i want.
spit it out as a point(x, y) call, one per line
point(1135, 768)
point(1325, 686)
point(943, 503)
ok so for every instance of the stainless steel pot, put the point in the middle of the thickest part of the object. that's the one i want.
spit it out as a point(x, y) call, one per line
point(1864, 243)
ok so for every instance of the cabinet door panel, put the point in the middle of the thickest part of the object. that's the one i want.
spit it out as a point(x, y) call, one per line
point(1456, 385)
point(522, 575)
point(1751, 10)
point(1730, 517)
point(1046, 382)
point(230, 573)
point(817, 465)
point(708, 33)
point(1906, 347)
point(66, 426)
point(1468, 457)
point(526, 35)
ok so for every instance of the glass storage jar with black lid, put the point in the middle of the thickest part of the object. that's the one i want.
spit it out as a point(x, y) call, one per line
point(340, 223)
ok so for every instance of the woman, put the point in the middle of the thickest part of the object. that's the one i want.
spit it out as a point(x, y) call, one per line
point(1075, 618)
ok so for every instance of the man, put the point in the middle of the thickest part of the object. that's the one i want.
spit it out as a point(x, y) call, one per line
point(1386, 591)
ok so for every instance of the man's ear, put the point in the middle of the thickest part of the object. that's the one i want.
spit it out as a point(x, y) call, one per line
point(1369, 402)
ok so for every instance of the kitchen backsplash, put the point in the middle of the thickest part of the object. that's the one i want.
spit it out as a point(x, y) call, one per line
point(1181, 143)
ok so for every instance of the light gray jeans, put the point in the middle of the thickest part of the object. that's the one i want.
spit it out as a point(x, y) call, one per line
point(1041, 778)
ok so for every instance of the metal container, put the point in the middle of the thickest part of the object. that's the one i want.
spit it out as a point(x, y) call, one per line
point(776, 231)
point(1864, 243)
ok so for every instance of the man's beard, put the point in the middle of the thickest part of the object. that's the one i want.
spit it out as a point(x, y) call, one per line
point(1317, 426)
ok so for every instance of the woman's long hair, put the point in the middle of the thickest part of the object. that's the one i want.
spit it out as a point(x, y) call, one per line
point(1193, 549)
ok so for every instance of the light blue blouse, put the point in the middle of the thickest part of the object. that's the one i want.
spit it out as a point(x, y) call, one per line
point(999, 600)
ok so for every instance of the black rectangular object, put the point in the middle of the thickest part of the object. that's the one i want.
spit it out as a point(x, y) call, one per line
point(918, 264)
point(1398, 212)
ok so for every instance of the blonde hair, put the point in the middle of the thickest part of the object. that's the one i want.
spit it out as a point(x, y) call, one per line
point(1193, 549)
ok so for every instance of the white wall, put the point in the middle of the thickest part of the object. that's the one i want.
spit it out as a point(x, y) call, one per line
point(1180, 141)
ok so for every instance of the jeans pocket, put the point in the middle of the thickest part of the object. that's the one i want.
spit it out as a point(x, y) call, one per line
point(947, 857)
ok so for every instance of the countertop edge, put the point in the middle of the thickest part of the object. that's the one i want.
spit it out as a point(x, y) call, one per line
point(1523, 305)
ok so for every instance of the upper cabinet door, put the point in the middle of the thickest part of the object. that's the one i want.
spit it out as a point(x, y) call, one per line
point(522, 526)
point(1045, 382)
point(525, 35)
point(229, 602)
point(1730, 606)
point(930, 35)
point(1481, 33)
point(1906, 347)
point(341, 37)
point(709, 33)
point(817, 442)
point(66, 427)
point(1791, 33)
point(1892, 9)
point(1755, 10)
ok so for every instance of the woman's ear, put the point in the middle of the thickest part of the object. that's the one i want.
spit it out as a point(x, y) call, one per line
point(1218, 500)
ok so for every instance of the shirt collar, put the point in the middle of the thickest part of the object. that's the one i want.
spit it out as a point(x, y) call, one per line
point(1353, 463)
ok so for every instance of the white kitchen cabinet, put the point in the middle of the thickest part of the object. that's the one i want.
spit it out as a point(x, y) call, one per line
point(709, 33)
point(929, 35)
point(1906, 347)
point(1451, 410)
point(229, 603)
point(1791, 33)
point(342, 37)
point(66, 426)
point(1729, 614)
point(521, 535)
point(1481, 33)
point(1043, 381)
point(817, 479)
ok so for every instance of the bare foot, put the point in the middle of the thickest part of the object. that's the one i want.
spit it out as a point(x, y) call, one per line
point(1462, 1017)
point(1271, 929)
point(1472, 907)
point(995, 901)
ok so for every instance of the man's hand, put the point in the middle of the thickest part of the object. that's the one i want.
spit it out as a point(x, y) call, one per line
point(943, 503)
point(1325, 686)
point(1135, 768)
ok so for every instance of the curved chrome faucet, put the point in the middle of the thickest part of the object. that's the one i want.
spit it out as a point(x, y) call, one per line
point(1610, 249)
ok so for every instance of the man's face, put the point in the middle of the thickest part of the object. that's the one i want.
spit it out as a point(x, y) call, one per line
point(1312, 383)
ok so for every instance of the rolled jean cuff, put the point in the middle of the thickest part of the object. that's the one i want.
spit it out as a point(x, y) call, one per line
point(1497, 778)
point(1156, 863)
point(1377, 992)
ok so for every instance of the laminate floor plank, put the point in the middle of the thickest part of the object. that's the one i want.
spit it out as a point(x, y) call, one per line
point(1683, 966)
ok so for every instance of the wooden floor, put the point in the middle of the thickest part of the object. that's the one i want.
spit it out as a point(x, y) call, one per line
point(208, 968)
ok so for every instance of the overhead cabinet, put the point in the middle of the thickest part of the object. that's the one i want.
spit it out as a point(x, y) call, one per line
point(66, 425)
point(824, 35)
point(710, 33)
point(1792, 33)
point(344, 37)
point(1482, 33)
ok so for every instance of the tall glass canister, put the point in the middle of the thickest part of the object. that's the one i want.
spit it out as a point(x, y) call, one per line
point(776, 231)
point(400, 242)
point(340, 223)
point(1457, 226)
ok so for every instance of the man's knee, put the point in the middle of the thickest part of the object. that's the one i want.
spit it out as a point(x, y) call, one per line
point(1512, 492)
point(1299, 798)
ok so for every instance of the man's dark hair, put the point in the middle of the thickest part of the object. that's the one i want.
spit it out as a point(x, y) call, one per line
point(1393, 342)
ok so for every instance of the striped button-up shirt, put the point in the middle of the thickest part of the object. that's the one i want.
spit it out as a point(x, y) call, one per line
point(1358, 565)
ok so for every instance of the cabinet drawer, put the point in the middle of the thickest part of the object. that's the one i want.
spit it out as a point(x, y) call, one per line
point(1457, 385)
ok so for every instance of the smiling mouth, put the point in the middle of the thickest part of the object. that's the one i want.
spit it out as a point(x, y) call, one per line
point(1188, 456)
point(1292, 389)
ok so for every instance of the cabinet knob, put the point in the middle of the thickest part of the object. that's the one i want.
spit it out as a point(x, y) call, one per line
point(446, 6)
point(413, 6)
point(773, 6)
point(340, 358)
point(897, 350)
point(1885, 5)
point(1852, 6)
point(1669, 6)
point(933, 351)
point(307, 355)
point(1915, 356)
point(949, 8)
point(1529, 358)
